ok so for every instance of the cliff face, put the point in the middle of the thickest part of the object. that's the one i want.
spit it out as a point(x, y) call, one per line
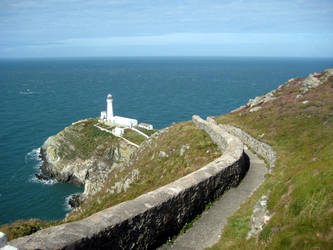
point(84, 155)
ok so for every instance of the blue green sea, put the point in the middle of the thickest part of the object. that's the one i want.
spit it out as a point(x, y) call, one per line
point(39, 97)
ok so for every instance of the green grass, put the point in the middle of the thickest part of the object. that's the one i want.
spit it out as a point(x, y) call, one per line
point(25, 227)
point(106, 126)
point(133, 136)
point(301, 198)
point(82, 140)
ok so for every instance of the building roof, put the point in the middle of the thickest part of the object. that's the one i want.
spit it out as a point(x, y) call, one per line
point(145, 124)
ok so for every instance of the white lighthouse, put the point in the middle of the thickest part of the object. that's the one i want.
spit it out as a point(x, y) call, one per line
point(108, 116)
point(109, 108)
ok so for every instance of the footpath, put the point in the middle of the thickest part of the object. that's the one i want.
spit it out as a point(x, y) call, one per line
point(207, 230)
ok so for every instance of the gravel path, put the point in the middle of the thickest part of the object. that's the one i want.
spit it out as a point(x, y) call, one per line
point(207, 230)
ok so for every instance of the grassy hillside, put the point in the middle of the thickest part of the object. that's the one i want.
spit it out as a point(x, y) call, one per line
point(300, 130)
point(175, 152)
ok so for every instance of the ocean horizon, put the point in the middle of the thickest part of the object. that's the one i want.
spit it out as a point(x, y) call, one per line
point(41, 96)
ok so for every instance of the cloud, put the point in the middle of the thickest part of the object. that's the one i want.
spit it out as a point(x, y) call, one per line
point(186, 38)
point(61, 24)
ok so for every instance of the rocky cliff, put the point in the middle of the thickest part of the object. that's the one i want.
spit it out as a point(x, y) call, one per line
point(84, 155)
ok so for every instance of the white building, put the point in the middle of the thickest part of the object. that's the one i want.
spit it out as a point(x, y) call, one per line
point(118, 131)
point(118, 120)
point(103, 115)
point(123, 121)
point(146, 126)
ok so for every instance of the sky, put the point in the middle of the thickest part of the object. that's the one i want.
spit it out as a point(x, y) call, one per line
point(84, 28)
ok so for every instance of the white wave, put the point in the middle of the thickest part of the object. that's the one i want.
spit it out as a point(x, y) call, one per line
point(37, 166)
point(50, 182)
point(33, 155)
point(66, 204)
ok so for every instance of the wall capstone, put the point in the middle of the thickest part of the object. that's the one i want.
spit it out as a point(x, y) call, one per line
point(149, 220)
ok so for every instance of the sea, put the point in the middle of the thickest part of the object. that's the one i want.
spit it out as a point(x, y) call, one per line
point(40, 97)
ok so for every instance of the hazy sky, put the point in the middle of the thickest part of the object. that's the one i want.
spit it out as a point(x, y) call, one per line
point(49, 28)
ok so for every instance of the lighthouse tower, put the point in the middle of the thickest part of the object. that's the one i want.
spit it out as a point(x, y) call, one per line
point(109, 108)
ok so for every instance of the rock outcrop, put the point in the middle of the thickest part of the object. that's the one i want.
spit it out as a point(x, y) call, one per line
point(83, 155)
point(259, 218)
point(312, 81)
point(261, 99)
point(316, 79)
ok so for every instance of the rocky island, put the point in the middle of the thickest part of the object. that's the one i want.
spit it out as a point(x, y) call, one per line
point(84, 155)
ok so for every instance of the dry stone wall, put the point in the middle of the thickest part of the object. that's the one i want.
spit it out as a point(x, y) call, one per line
point(147, 221)
point(261, 148)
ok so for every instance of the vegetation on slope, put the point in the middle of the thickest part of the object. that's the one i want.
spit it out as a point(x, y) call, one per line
point(172, 154)
point(300, 130)
point(21, 228)
point(83, 140)
point(133, 136)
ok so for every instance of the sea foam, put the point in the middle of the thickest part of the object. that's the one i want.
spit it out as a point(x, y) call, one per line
point(66, 204)
point(34, 179)
point(33, 155)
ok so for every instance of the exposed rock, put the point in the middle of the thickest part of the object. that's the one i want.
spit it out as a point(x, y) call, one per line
point(124, 184)
point(305, 102)
point(183, 149)
point(259, 217)
point(162, 154)
point(314, 80)
point(299, 96)
point(254, 109)
point(75, 200)
point(260, 100)
point(261, 136)
point(42, 177)
point(310, 82)
point(83, 156)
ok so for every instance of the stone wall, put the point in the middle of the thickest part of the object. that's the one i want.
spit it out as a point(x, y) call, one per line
point(149, 220)
point(261, 148)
